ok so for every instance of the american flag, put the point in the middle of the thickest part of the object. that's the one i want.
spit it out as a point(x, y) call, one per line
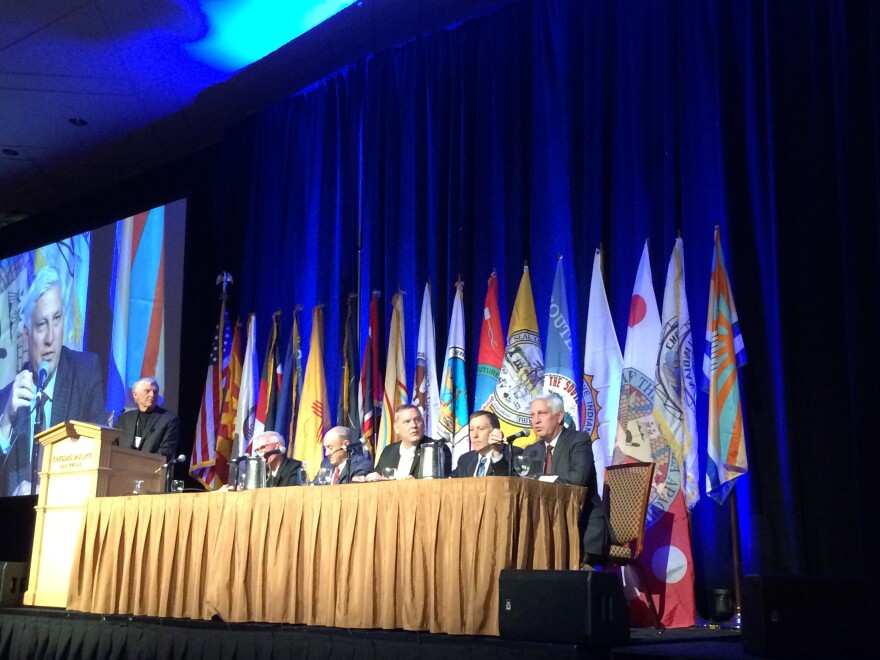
point(209, 467)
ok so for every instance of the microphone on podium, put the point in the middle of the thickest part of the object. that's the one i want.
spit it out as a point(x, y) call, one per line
point(173, 461)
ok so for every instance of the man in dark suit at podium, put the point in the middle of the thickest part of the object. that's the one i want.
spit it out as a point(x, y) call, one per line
point(148, 427)
point(57, 384)
point(565, 456)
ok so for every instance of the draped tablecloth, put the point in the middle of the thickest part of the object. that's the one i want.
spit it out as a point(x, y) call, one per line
point(416, 555)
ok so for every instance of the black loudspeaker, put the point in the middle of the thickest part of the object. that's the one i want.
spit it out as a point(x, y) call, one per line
point(578, 607)
point(808, 616)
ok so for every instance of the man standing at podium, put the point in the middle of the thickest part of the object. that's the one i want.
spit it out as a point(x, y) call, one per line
point(57, 384)
point(148, 427)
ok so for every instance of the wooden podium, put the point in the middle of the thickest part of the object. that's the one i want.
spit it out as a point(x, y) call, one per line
point(80, 461)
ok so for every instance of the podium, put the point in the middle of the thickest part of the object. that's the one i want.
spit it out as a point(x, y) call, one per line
point(80, 461)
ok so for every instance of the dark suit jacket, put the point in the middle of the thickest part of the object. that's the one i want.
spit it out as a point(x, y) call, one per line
point(286, 475)
point(357, 465)
point(160, 436)
point(391, 457)
point(78, 395)
point(572, 462)
point(467, 465)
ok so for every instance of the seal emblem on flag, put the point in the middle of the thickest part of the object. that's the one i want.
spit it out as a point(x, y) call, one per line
point(521, 378)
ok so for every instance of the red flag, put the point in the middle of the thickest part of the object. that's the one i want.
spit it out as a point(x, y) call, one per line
point(270, 381)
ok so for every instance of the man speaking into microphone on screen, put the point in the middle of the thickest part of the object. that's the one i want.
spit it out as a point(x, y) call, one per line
point(57, 384)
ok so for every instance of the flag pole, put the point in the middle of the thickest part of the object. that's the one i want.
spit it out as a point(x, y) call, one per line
point(737, 565)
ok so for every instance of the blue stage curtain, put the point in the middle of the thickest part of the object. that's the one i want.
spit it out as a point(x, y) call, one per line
point(550, 126)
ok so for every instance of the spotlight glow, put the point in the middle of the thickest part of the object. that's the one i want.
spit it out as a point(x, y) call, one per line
point(244, 31)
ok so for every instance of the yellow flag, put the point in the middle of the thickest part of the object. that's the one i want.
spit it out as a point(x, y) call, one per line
point(522, 371)
point(395, 377)
point(313, 419)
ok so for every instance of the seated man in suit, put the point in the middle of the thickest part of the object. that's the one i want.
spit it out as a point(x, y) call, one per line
point(566, 456)
point(345, 465)
point(487, 455)
point(401, 458)
point(148, 427)
point(68, 382)
point(281, 470)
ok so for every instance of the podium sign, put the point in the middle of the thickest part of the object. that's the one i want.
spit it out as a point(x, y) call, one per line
point(80, 461)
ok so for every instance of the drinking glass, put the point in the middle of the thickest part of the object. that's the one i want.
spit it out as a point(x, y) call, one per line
point(323, 478)
point(522, 464)
point(137, 487)
point(390, 473)
point(177, 485)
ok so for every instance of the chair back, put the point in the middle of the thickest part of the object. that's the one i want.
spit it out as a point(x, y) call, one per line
point(627, 490)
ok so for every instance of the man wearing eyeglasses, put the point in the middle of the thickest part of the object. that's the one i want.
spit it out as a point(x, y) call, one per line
point(281, 470)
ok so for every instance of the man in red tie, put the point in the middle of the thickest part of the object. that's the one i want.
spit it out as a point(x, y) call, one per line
point(565, 456)
point(345, 464)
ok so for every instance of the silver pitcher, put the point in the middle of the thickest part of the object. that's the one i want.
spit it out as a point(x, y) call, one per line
point(431, 463)
point(255, 472)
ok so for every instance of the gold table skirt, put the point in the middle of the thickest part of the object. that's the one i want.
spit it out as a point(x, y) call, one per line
point(416, 555)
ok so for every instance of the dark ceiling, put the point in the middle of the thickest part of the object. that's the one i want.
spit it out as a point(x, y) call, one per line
point(122, 66)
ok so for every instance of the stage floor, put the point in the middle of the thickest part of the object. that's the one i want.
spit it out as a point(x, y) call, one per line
point(28, 632)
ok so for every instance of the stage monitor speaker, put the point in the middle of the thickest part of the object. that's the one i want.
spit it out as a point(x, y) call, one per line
point(578, 607)
point(13, 583)
point(808, 616)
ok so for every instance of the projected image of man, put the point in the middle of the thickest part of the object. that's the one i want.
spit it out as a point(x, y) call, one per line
point(57, 384)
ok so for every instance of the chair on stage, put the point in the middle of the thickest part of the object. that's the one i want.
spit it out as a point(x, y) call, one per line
point(627, 489)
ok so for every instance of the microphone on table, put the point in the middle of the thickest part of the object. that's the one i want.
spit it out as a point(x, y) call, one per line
point(173, 461)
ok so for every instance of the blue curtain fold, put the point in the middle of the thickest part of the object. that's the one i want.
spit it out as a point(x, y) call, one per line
point(550, 126)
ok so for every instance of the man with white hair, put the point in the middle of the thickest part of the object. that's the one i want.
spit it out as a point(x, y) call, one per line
point(281, 470)
point(344, 465)
point(565, 456)
point(148, 427)
point(57, 384)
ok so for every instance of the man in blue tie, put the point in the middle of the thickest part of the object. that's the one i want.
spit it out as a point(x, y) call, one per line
point(486, 457)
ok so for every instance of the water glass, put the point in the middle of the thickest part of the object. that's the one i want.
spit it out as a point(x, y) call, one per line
point(137, 487)
point(177, 485)
point(522, 464)
point(390, 473)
